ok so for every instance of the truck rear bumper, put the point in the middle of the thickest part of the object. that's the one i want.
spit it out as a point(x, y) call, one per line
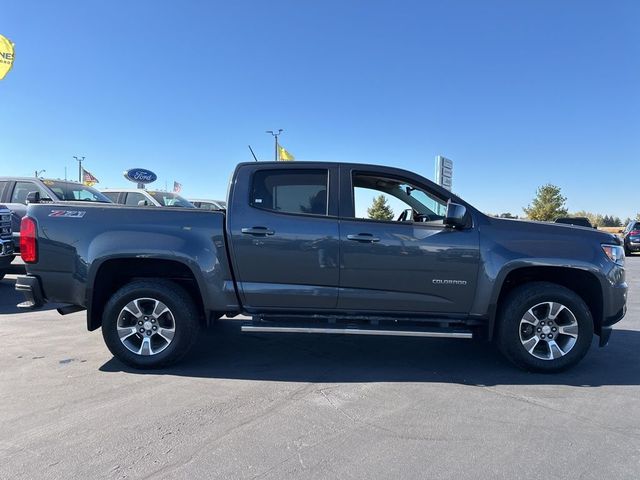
point(30, 287)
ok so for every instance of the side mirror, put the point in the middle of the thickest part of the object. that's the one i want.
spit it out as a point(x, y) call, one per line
point(33, 197)
point(456, 215)
point(143, 203)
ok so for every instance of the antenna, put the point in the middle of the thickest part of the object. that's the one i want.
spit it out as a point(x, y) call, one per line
point(254, 155)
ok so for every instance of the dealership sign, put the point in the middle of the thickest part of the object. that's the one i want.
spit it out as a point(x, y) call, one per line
point(444, 172)
point(140, 175)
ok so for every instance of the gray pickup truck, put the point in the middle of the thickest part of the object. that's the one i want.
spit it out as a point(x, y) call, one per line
point(295, 252)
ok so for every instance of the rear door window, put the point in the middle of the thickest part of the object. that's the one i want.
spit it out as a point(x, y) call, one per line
point(22, 189)
point(299, 191)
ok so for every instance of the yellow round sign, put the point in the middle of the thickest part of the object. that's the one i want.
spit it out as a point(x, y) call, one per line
point(6, 56)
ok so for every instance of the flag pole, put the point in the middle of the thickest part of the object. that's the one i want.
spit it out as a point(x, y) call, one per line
point(80, 160)
point(276, 137)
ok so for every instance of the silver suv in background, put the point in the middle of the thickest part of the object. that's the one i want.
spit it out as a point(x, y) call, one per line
point(137, 197)
point(209, 204)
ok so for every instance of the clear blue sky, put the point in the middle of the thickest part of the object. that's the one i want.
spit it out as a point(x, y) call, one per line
point(517, 93)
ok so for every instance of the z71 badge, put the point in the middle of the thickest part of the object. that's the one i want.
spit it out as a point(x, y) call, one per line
point(67, 213)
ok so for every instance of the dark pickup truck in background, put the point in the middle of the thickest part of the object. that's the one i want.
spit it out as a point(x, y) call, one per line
point(293, 252)
point(15, 190)
point(6, 240)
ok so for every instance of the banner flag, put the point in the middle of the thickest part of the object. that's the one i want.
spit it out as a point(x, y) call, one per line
point(284, 156)
point(88, 179)
point(7, 55)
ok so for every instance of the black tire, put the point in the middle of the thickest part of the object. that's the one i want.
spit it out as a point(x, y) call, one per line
point(182, 311)
point(511, 332)
point(4, 265)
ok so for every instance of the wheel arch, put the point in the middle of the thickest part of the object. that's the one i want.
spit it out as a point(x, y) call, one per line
point(110, 274)
point(583, 282)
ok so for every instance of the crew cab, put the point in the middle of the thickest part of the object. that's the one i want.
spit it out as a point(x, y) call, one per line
point(296, 252)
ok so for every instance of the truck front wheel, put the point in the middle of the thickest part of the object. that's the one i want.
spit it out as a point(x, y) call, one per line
point(544, 327)
point(150, 324)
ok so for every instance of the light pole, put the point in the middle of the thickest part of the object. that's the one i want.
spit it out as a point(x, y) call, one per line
point(39, 172)
point(80, 160)
point(276, 135)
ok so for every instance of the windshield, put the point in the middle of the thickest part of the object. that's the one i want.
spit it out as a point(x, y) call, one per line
point(75, 192)
point(168, 199)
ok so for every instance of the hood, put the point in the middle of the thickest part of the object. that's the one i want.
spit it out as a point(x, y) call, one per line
point(544, 229)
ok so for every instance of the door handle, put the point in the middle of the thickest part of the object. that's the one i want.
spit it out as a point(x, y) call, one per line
point(264, 231)
point(363, 237)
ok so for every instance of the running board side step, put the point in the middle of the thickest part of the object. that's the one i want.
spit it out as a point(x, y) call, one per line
point(358, 331)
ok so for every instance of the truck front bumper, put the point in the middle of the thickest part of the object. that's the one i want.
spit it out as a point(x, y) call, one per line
point(30, 287)
point(614, 303)
point(6, 248)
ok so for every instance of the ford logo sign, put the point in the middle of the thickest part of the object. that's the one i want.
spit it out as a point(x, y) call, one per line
point(140, 175)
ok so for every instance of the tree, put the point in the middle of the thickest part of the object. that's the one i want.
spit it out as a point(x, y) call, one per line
point(638, 216)
point(379, 210)
point(507, 215)
point(547, 205)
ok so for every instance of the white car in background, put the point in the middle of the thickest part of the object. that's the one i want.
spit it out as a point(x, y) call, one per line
point(141, 198)
point(209, 204)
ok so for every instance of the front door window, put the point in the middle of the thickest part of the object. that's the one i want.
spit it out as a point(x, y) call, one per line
point(403, 200)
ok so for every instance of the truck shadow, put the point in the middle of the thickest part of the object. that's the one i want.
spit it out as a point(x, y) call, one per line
point(227, 354)
point(9, 298)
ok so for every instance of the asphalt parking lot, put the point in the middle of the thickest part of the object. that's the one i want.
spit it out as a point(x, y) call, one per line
point(275, 406)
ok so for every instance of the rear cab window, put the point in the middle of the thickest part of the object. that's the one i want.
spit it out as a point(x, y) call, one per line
point(295, 191)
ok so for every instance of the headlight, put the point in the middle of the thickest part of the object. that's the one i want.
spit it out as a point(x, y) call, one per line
point(615, 253)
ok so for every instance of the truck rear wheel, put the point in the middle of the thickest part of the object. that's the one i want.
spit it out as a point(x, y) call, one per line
point(544, 327)
point(150, 324)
